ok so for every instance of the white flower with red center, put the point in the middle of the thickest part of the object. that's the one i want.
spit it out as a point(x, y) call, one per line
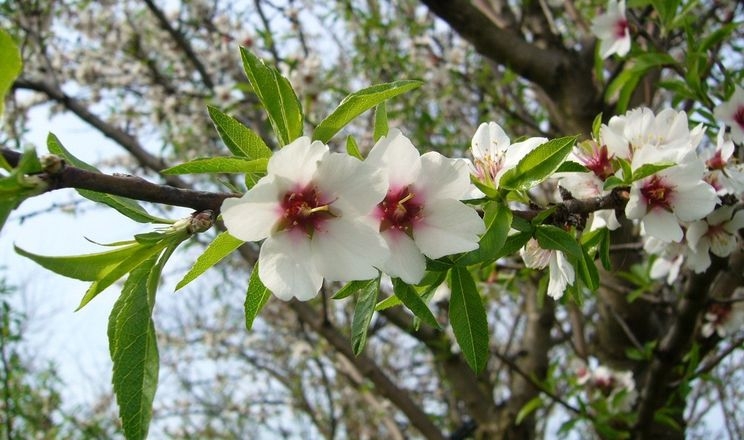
point(731, 113)
point(589, 185)
point(421, 214)
point(726, 318)
point(561, 271)
point(607, 384)
point(717, 233)
point(313, 209)
point(611, 28)
point(724, 174)
point(666, 134)
point(494, 154)
point(671, 196)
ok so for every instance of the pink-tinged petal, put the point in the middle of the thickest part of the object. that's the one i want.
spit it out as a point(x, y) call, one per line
point(637, 205)
point(447, 227)
point(298, 161)
point(285, 266)
point(582, 185)
point(694, 202)
point(699, 260)
point(489, 141)
point(612, 136)
point(253, 216)
point(722, 244)
point(696, 231)
point(561, 275)
point(350, 184)
point(736, 223)
point(720, 215)
point(518, 151)
point(663, 225)
point(396, 155)
point(441, 178)
point(349, 249)
point(406, 260)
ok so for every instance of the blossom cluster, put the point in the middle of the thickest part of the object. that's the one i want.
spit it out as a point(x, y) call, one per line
point(679, 205)
point(329, 215)
point(616, 388)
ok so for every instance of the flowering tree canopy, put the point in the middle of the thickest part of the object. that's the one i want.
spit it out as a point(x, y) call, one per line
point(576, 270)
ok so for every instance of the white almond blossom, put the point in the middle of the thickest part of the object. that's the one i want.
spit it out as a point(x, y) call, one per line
point(561, 271)
point(724, 174)
point(607, 384)
point(611, 28)
point(421, 214)
point(494, 154)
point(731, 113)
point(671, 196)
point(313, 209)
point(726, 318)
point(717, 233)
point(666, 135)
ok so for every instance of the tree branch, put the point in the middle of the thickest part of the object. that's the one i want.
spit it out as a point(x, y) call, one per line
point(128, 186)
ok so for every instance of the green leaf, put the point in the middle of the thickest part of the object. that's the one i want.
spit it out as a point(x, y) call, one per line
point(276, 95)
point(572, 167)
point(528, 408)
point(239, 139)
point(357, 103)
point(649, 169)
point(142, 254)
point(588, 270)
point(134, 351)
point(613, 182)
point(538, 164)
point(513, 243)
point(89, 267)
point(498, 219)
point(390, 301)
point(10, 59)
point(350, 288)
point(596, 125)
point(125, 206)
point(468, 318)
point(222, 164)
point(555, 238)
point(255, 298)
point(625, 83)
point(352, 148)
point(363, 311)
point(411, 299)
point(381, 121)
point(223, 245)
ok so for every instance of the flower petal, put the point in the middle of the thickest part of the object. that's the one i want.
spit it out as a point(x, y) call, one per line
point(663, 225)
point(351, 185)
point(253, 216)
point(349, 249)
point(694, 202)
point(489, 141)
point(396, 155)
point(441, 178)
point(447, 227)
point(286, 267)
point(298, 160)
point(406, 260)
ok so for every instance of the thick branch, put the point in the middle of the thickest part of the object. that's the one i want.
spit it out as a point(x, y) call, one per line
point(131, 187)
point(673, 347)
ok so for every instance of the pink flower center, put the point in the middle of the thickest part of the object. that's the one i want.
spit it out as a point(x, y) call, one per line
point(621, 26)
point(305, 210)
point(716, 162)
point(657, 193)
point(598, 161)
point(399, 210)
point(739, 116)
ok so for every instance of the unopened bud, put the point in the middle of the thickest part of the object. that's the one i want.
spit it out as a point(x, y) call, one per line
point(52, 164)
